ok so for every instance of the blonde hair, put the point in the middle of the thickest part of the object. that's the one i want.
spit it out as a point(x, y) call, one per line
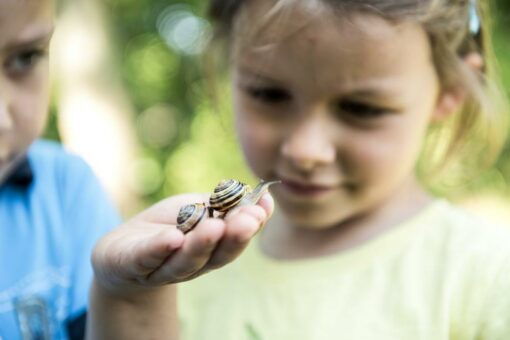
point(476, 133)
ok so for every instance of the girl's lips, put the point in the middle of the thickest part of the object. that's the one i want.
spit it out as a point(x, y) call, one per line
point(306, 189)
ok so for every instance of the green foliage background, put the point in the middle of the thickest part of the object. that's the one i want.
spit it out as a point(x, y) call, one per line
point(189, 144)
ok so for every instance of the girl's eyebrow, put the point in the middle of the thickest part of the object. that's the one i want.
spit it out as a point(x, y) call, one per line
point(371, 93)
point(35, 35)
point(373, 89)
point(257, 75)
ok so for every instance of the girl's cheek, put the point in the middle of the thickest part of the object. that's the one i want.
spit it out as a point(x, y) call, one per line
point(259, 147)
point(365, 156)
point(257, 142)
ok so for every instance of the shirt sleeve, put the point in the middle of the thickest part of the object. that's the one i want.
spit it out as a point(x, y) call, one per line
point(89, 215)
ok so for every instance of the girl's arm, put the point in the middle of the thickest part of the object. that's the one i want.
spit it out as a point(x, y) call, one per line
point(138, 265)
point(148, 315)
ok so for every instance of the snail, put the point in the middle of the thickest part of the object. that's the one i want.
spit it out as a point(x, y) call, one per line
point(189, 216)
point(232, 193)
point(227, 195)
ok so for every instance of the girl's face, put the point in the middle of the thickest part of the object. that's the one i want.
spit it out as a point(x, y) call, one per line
point(25, 30)
point(335, 107)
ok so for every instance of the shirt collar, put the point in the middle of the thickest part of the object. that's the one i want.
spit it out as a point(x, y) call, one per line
point(22, 175)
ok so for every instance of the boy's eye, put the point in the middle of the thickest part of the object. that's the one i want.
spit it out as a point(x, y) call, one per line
point(270, 95)
point(360, 110)
point(24, 61)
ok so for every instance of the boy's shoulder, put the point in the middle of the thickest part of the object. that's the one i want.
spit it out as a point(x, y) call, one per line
point(64, 184)
point(50, 159)
point(47, 152)
point(60, 176)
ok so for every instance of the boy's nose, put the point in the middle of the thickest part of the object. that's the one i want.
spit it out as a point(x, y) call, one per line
point(6, 121)
point(308, 145)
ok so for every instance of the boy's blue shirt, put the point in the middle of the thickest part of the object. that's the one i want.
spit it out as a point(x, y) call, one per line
point(51, 215)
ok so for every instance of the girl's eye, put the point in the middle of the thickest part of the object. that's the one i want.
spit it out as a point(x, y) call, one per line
point(23, 62)
point(360, 110)
point(270, 95)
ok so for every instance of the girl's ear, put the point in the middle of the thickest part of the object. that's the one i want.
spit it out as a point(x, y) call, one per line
point(450, 100)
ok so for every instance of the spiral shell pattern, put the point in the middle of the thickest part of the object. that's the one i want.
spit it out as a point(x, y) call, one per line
point(189, 216)
point(227, 194)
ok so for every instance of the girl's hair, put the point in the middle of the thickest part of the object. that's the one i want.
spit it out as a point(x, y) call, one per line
point(479, 128)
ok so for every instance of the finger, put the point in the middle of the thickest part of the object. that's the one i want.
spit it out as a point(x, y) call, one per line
point(155, 250)
point(136, 252)
point(239, 221)
point(241, 227)
point(198, 246)
point(267, 203)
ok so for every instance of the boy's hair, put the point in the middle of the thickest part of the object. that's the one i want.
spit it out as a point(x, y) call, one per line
point(479, 127)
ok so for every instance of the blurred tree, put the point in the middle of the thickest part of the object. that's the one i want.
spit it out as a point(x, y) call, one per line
point(95, 114)
point(185, 143)
point(501, 10)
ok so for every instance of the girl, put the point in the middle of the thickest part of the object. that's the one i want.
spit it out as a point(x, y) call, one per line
point(336, 99)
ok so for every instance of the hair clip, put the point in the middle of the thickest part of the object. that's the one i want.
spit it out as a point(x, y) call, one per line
point(474, 19)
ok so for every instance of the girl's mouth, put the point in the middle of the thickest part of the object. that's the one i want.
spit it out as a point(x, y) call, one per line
point(306, 189)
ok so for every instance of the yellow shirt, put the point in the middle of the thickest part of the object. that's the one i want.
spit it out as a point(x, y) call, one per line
point(444, 274)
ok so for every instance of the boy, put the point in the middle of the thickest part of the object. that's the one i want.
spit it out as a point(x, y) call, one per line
point(52, 208)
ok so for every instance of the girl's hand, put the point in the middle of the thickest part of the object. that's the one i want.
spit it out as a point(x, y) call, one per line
point(149, 251)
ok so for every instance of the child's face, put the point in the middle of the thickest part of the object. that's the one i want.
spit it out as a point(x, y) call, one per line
point(25, 30)
point(337, 108)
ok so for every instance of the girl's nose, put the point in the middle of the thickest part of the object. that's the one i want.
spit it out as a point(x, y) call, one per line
point(307, 145)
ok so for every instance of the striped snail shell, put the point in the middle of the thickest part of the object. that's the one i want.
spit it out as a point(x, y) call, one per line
point(189, 216)
point(227, 194)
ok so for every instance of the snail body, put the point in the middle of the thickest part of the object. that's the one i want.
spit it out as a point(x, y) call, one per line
point(253, 196)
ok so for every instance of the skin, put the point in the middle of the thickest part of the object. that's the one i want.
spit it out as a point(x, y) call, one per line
point(337, 107)
point(25, 31)
point(138, 265)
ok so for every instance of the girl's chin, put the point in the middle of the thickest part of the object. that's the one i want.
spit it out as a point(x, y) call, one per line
point(316, 221)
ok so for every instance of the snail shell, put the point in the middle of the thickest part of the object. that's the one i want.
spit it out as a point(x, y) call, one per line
point(227, 194)
point(189, 216)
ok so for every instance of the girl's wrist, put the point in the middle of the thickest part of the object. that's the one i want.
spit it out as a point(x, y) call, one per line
point(133, 294)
